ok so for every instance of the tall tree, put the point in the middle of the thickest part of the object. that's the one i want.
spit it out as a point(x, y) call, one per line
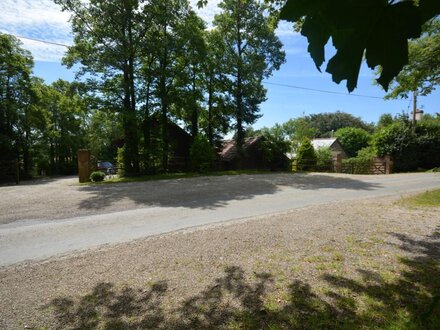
point(108, 36)
point(63, 133)
point(218, 104)
point(167, 20)
point(252, 52)
point(15, 98)
point(422, 74)
point(190, 78)
point(329, 122)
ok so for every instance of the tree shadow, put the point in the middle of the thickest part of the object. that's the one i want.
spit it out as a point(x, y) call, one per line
point(211, 192)
point(240, 300)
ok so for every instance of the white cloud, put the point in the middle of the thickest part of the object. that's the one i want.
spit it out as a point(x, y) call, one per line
point(207, 12)
point(44, 20)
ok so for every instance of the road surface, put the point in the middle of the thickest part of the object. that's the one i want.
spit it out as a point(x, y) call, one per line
point(59, 217)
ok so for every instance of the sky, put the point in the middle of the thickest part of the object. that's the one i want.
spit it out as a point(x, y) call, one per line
point(44, 20)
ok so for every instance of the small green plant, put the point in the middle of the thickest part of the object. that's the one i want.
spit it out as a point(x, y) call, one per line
point(97, 176)
point(306, 157)
point(202, 154)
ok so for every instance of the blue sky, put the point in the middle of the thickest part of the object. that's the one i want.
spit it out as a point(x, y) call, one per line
point(43, 20)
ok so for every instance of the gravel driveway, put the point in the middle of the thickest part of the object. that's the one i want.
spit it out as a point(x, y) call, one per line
point(64, 198)
point(285, 270)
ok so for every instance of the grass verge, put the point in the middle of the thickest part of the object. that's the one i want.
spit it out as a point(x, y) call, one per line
point(178, 175)
point(426, 199)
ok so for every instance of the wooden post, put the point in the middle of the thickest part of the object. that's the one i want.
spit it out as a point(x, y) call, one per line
point(84, 165)
point(338, 164)
point(388, 165)
point(294, 165)
point(17, 172)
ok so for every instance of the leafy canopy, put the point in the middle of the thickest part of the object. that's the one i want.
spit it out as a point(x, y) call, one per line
point(375, 29)
point(353, 139)
point(422, 74)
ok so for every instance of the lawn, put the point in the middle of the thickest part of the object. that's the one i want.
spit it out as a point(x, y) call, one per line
point(426, 199)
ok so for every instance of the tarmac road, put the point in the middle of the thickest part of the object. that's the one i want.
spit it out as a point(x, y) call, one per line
point(59, 217)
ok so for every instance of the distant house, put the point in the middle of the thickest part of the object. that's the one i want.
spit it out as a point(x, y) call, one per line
point(179, 144)
point(333, 144)
point(254, 156)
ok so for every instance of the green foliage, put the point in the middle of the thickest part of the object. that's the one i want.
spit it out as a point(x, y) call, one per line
point(201, 154)
point(120, 162)
point(398, 141)
point(16, 115)
point(353, 139)
point(298, 130)
point(103, 129)
point(385, 120)
point(252, 52)
point(410, 148)
point(97, 176)
point(323, 157)
point(422, 74)
point(306, 156)
point(327, 123)
point(376, 30)
point(428, 198)
point(275, 147)
point(107, 40)
point(367, 153)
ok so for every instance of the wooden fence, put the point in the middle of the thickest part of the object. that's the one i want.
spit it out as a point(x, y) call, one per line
point(375, 166)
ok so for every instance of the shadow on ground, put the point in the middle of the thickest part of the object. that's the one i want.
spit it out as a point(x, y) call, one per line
point(408, 301)
point(212, 192)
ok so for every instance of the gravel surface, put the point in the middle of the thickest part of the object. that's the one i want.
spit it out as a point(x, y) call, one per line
point(62, 198)
point(197, 278)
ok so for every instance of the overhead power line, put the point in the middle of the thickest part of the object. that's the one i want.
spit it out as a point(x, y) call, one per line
point(321, 90)
point(264, 82)
point(39, 40)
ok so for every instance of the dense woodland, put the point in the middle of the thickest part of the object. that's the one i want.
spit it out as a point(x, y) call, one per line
point(146, 64)
point(142, 65)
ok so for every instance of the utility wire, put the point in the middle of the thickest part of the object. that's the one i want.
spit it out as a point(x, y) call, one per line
point(321, 90)
point(42, 41)
point(264, 82)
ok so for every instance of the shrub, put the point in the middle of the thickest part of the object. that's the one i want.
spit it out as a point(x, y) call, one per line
point(97, 176)
point(201, 154)
point(367, 153)
point(353, 139)
point(323, 156)
point(400, 142)
point(306, 156)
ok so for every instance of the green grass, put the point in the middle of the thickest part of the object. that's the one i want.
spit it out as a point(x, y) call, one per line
point(178, 175)
point(426, 199)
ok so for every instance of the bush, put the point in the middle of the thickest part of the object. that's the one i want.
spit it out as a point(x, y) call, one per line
point(400, 142)
point(306, 157)
point(201, 154)
point(323, 156)
point(367, 153)
point(97, 176)
point(353, 139)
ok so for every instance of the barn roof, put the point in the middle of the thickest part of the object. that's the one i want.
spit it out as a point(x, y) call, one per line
point(229, 148)
point(323, 143)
